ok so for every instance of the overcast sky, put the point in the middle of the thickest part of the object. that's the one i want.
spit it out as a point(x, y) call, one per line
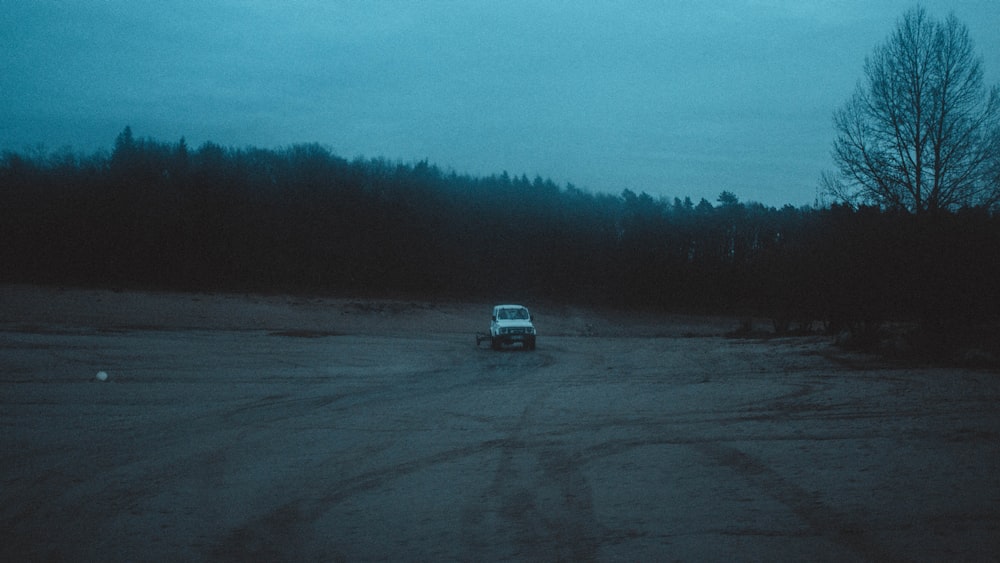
point(674, 98)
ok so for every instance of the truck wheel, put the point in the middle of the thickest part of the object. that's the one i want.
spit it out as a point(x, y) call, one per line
point(495, 343)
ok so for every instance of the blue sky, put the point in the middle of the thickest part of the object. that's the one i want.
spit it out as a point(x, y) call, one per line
point(678, 98)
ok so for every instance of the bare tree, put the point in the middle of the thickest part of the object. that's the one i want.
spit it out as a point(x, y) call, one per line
point(922, 132)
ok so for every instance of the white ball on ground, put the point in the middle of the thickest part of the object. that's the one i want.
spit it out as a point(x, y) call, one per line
point(102, 376)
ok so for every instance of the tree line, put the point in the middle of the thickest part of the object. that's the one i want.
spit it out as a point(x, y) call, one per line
point(302, 219)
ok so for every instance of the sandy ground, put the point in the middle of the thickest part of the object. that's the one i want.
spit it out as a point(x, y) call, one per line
point(248, 428)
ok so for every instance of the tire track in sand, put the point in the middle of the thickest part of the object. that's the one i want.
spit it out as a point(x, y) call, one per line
point(822, 519)
point(539, 505)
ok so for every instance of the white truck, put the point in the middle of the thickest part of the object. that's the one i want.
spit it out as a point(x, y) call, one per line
point(510, 325)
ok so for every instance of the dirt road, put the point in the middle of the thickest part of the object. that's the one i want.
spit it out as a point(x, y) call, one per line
point(273, 429)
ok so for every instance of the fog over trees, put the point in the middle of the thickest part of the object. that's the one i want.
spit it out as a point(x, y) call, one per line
point(301, 219)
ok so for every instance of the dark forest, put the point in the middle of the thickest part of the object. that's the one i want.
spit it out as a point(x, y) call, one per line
point(155, 215)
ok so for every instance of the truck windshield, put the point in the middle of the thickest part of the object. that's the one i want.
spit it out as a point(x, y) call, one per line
point(513, 314)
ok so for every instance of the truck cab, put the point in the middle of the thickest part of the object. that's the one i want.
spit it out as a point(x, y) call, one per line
point(510, 325)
